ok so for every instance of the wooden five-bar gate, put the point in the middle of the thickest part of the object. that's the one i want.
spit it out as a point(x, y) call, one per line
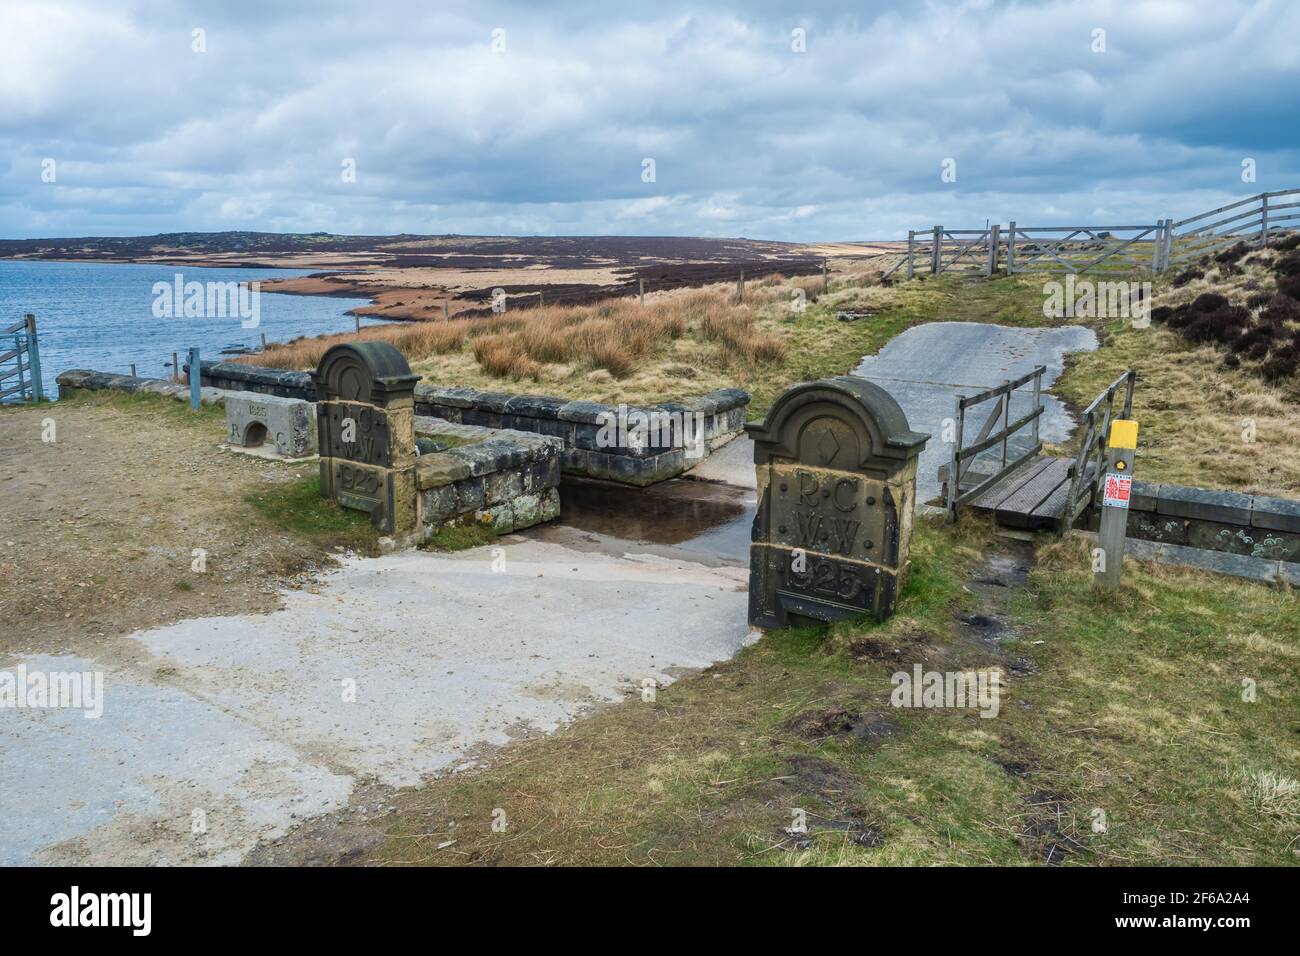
point(1147, 247)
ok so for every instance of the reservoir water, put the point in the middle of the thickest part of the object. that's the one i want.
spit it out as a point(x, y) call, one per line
point(102, 315)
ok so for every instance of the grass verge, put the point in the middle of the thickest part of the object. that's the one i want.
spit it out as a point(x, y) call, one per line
point(157, 407)
point(1122, 737)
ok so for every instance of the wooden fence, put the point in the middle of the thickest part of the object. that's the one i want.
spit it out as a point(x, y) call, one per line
point(1253, 221)
point(1078, 249)
point(947, 250)
point(1018, 249)
point(1148, 248)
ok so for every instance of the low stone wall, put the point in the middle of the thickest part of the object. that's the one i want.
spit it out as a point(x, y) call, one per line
point(236, 377)
point(83, 379)
point(508, 479)
point(665, 454)
point(1256, 526)
point(595, 446)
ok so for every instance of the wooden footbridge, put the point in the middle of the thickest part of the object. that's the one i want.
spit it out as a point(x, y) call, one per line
point(1022, 488)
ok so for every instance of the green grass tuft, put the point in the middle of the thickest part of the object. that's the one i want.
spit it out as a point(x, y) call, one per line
point(297, 507)
point(460, 537)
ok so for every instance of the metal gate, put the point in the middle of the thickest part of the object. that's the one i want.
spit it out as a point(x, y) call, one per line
point(20, 363)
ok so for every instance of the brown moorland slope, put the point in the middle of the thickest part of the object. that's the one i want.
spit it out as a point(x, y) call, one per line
point(414, 277)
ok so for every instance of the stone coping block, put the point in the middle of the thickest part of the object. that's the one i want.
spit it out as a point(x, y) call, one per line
point(428, 426)
point(290, 423)
point(577, 410)
point(1275, 514)
point(492, 450)
point(574, 410)
point(1226, 507)
point(1230, 507)
point(1260, 570)
point(92, 381)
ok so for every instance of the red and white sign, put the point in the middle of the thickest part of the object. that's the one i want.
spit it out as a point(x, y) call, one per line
point(1117, 491)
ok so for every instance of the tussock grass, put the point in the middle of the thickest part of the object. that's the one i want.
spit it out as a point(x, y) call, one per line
point(615, 336)
point(1269, 793)
point(1201, 422)
point(412, 339)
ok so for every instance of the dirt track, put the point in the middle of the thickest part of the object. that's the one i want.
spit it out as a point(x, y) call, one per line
point(99, 526)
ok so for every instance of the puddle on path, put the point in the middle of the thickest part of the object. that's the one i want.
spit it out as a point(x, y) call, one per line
point(687, 514)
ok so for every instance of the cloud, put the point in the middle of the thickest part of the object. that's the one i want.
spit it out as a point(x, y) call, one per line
point(548, 132)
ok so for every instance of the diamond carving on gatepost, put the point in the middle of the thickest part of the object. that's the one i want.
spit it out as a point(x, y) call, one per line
point(828, 446)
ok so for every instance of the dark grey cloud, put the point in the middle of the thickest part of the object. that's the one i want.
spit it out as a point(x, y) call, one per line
point(842, 141)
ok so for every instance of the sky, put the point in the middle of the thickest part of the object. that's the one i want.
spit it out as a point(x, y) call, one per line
point(769, 120)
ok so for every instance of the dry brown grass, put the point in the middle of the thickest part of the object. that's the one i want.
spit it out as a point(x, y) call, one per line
point(1203, 423)
point(687, 329)
point(414, 340)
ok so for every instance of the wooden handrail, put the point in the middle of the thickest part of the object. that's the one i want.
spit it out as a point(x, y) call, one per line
point(1092, 446)
point(987, 438)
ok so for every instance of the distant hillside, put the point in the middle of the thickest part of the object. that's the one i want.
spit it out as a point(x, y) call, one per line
point(402, 250)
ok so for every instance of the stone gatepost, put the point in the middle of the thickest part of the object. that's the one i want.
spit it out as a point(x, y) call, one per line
point(365, 423)
point(836, 465)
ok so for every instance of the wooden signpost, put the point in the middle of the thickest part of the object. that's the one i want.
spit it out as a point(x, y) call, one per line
point(1116, 492)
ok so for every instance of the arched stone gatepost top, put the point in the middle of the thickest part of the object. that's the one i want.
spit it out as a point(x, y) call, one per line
point(843, 422)
point(373, 372)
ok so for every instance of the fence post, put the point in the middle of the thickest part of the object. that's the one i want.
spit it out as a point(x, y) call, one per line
point(1006, 421)
point(826, 277)
point(1169, 245)
point(1038, 400)
point(740, 287)
point(1011, 247)
point(195, 374)
point(640, 291)
point(33, 357)
point(176, 367)
point(992, 266)
point(954, 462)
point(936, 265)
point(911, 243)
point(1263, 223)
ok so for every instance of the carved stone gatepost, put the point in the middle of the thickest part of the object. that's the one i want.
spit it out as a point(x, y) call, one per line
point(365, 423)
point(836, 465)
